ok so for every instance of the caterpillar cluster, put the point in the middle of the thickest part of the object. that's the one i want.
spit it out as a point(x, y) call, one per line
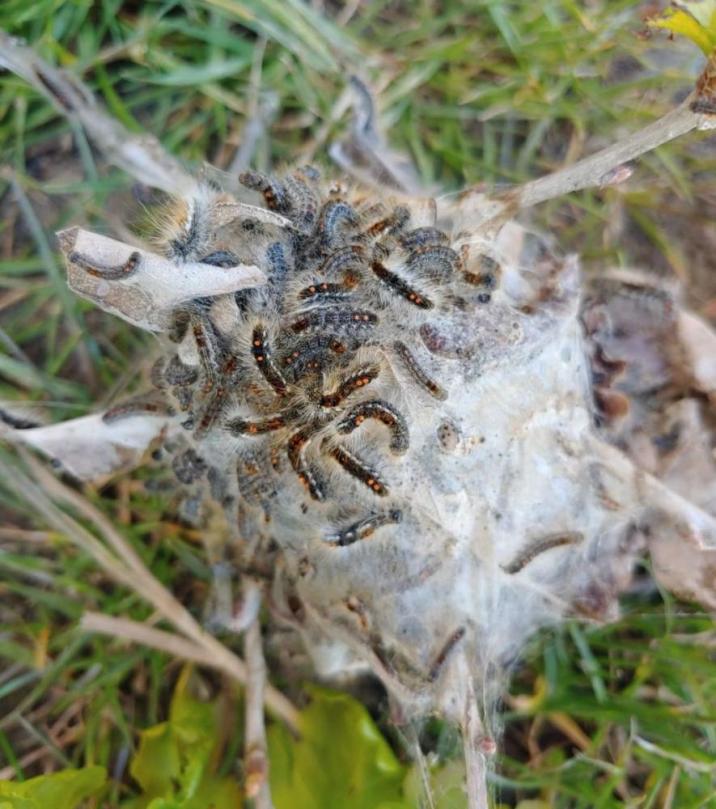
point(407, 426)
point(379, 419)
point(291, 376)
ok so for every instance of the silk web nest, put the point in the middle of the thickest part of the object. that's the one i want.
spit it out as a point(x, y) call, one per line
point(406, 414)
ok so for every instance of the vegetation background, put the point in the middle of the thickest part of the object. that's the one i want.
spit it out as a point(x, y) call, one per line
point(474, 91)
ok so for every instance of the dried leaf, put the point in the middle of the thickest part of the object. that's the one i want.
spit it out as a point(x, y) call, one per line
point(88, 447)
point(141, 287)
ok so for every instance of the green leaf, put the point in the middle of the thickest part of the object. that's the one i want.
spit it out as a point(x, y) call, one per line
point(217, 793)
point(341, 759)
point(694, 20)
point(65, 789)
point(173, 762)
point(195, 723)
point(156, 762)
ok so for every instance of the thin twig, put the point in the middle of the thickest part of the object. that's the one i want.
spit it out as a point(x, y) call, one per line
point(595, 170)
point(141, 156)
point(475, 766)
point(472, 741)
point(137, 632)
point(11, 534)
point(255, 755)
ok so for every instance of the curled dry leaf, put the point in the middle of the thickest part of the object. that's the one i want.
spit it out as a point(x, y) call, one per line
point(140, 287)
point(89, 448)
